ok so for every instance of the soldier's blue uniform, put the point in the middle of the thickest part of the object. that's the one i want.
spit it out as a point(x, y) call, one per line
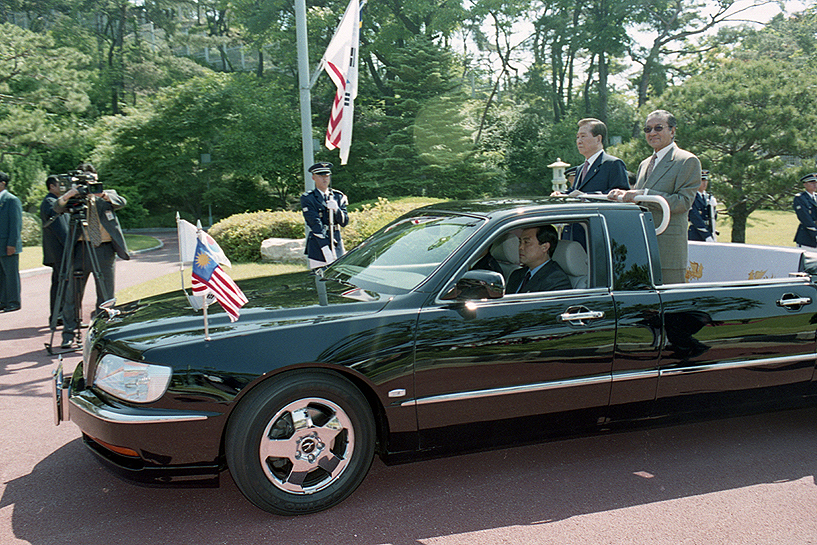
point(805, 207)
point(701, 221)
point(317, 216)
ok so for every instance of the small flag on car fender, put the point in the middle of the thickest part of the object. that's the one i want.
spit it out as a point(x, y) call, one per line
point(209, 277)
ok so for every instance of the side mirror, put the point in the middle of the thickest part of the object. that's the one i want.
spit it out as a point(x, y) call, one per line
point(477, 284)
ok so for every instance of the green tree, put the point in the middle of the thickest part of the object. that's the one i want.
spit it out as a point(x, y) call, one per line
point(673, 22)
point(42, 96)
point(244, 126)
point(419, 139)
point(746, 121)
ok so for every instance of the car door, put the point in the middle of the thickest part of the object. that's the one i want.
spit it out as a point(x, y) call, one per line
point(523, 366)
point(736, 344)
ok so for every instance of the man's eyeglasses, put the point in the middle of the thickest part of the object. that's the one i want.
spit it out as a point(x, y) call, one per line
point(657, 128)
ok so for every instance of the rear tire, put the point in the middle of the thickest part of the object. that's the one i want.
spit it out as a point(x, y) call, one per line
point(300, 443)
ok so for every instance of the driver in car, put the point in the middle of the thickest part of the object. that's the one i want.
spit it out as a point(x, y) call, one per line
point(539, 271)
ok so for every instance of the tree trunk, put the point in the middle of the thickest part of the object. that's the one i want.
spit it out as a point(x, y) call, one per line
point(739, 213)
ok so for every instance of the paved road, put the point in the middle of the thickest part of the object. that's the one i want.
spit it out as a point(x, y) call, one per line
point(747, 480)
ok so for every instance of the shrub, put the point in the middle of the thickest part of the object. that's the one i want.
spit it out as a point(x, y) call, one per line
point(32, 230)
point(241, 235)
point(370, 218)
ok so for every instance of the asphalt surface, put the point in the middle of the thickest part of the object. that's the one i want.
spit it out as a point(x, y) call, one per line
point(748, 480)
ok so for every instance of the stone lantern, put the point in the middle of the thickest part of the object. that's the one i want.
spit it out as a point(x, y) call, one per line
point(559, 180)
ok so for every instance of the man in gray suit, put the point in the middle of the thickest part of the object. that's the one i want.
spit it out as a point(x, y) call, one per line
point(11, 245)
point(104, 239)
point(674, 174)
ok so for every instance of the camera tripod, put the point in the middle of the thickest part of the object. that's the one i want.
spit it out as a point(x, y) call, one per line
point(70, 278)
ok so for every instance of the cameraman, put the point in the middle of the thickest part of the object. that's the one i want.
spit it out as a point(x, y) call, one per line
point(55, 231)
point(105, 239)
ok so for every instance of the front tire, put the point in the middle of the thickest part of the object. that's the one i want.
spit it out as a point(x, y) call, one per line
point(300, 443)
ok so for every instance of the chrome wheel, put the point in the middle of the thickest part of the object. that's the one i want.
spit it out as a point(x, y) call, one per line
point(307, 445)
point(301, 442)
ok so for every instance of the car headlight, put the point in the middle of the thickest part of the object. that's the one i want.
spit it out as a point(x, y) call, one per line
point(131, 381)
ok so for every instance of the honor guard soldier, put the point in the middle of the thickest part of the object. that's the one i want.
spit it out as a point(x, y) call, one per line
point(703, 213)
point(570, 174)
point(805, 206)
point(325, 213)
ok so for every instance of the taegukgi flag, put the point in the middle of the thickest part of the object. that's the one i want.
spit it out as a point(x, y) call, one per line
point(189, 235)
point(341, 63)
point(209, 277)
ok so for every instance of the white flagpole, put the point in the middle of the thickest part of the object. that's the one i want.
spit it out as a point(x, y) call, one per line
point(181, 262)
point(331, 225)
point(304, 84)
point(206, 325)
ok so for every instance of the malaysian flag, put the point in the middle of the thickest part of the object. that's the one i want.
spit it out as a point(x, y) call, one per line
point(209, 277)
point(340, 62)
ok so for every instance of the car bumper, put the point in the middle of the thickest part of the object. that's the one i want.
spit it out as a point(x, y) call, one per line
point(145, 444)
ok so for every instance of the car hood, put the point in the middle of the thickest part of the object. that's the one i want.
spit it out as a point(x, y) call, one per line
point(276, 300)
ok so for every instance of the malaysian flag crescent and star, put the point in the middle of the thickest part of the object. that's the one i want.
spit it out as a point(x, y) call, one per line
point(209, 277)
point(340, 62)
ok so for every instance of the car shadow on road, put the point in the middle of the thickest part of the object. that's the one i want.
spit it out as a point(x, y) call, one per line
point(69, 494)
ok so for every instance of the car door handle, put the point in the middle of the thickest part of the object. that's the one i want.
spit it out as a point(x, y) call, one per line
point(581, 316)
point(791, 300)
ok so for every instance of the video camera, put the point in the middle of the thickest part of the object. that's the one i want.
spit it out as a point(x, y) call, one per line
point(84, 182)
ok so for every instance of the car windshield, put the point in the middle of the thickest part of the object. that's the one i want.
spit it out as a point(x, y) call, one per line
point(401, 256)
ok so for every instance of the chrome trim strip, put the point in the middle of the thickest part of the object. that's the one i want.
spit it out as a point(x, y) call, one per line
point(522, 389)
point(740, 364)
point(114, 417)
point(602, 379)
point(635, 375)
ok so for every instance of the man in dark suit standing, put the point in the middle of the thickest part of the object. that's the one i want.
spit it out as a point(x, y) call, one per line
point(11, 245)
point(701, 215)
point(324, 210)
point(599, 173)
point(539, 271)
point(104, 239)
point(805, 206)
point(674, 174)
point(55, 233)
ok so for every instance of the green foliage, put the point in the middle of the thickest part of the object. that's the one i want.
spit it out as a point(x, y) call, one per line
point(366, 221)
point(32, 233)
point(419, 139)
point(241, 235)
point(42, 95)
point(744, 120)
point(229, 142)
point(418, 112)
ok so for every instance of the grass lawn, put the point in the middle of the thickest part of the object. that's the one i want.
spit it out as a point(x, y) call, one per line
point(32, 256)
point(764, 227)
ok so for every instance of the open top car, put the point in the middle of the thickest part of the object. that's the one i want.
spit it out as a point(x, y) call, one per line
point(410, 345)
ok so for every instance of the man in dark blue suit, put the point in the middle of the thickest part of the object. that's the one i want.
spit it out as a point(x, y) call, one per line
point(55, 233)
point(701, 215)
point(539, 271)
point(11, 245)
point(600, 171)
point(805, 206)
